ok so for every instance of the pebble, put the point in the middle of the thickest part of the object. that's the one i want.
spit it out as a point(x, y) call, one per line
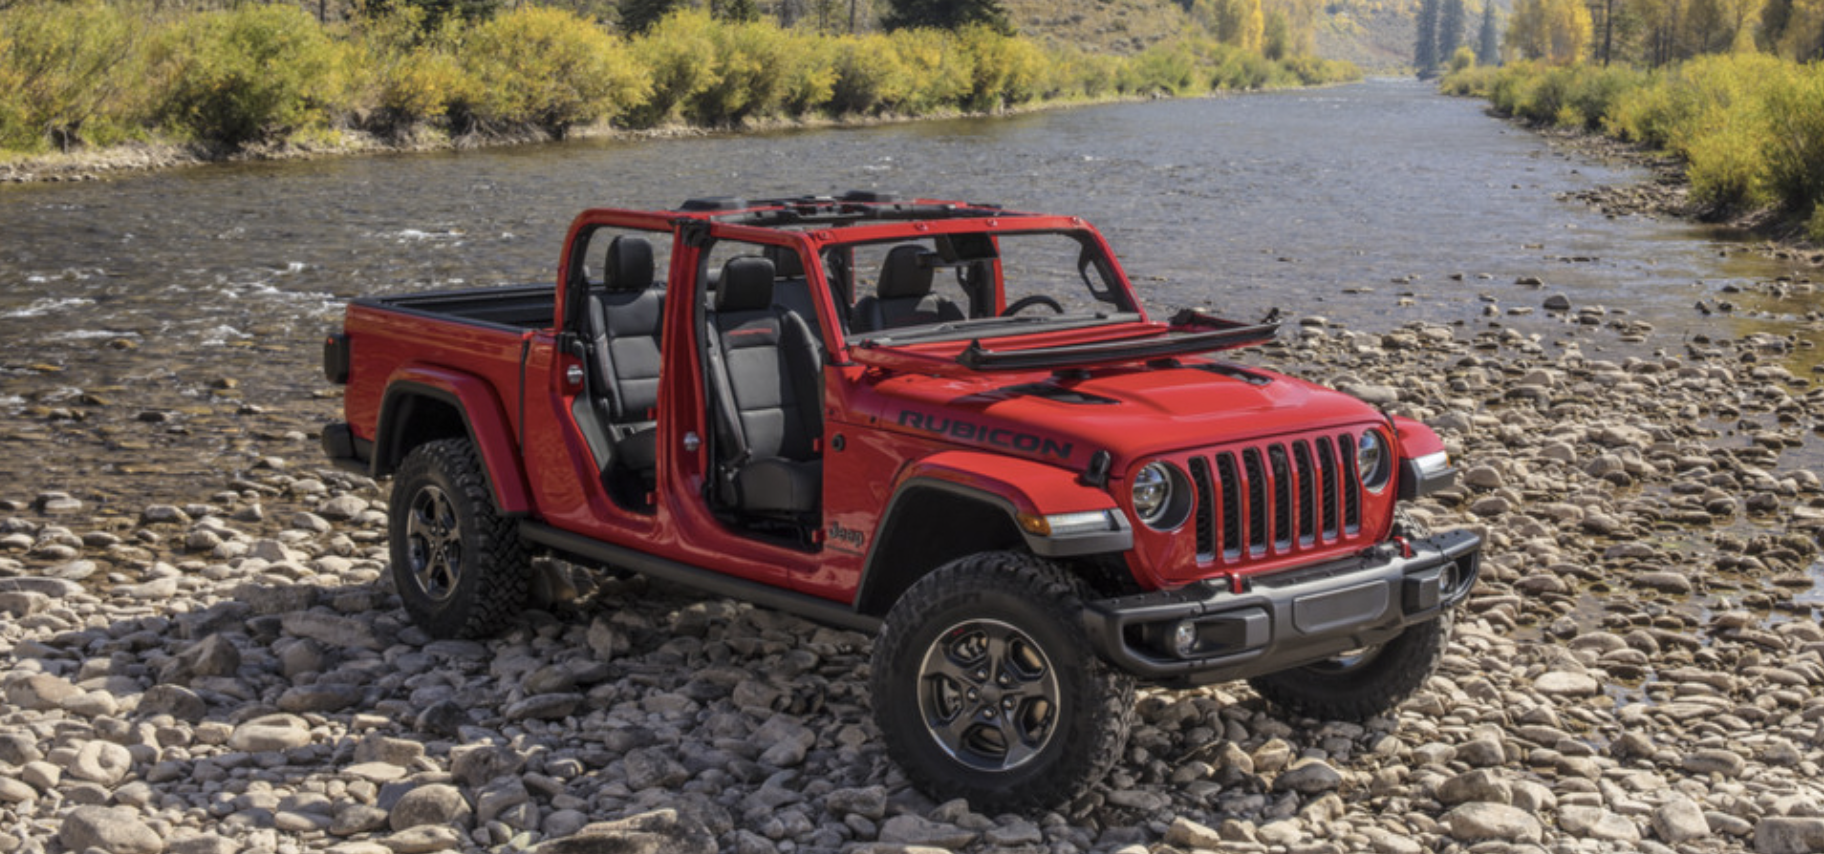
point(1635, 669)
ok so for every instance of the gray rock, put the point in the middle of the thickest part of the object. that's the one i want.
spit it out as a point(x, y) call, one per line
point(16, 791)
point(1562, 683)
point(433, 804)
point(17, 748)
point(174, 700)
point(1789, 835)
point(1476, 822)
point(869, 803)
point(214, 655)
point(1679, 819)
point(112, 829)
point(320, 697)
point(653, 766)
point(1185, 833)
point(918, 830)
point(661, 832)
point(544, 707)
point(331, 629)
point(1588, 822)
point(270, 733)
point(1308, 777)
point(102, 762)
point(498, 796)
point(1482, 784)
point(357, 818)
point(426, 839)
point(1714, 761)
point(477, 765)
point(444, 717)
point(40, 692)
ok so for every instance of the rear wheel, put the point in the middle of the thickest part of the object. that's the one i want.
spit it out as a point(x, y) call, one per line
point(985, 686)
point(458, 565)
point(1362, 683)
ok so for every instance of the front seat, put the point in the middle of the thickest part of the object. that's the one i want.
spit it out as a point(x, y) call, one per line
point(903, 295)
point(624, 318)
point(767, 385)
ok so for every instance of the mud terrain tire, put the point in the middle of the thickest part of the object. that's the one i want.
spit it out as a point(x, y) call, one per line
point(458, 565)
point(1359, 685)
point(985, 685)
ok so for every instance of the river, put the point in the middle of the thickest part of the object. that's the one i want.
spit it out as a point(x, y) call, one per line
point(159, 331)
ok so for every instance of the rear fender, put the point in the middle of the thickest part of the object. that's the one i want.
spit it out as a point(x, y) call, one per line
point(411, 413)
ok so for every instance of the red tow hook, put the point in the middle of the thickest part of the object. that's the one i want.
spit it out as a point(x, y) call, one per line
point(1405, 546)
point(1237, 586)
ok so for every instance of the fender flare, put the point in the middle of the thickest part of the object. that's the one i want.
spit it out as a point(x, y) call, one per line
point(1021, 489)
point(484, 419)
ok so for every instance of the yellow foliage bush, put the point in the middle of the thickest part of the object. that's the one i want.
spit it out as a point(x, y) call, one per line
point(679, 56)
point(548, 68)
point(249, 73)
point(68, 72)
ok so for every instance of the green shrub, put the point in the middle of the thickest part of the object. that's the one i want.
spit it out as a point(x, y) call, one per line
point(750, 62)
point(252, 73)
point(938, 67)
point(1005, 69)
point(408, 74)
point(810, 73)
point(1814, 228)
point(550, 69)
point(1163, 69)
point(870, 77)
point(68, 70)
point(1795, 142)
point(678, 54)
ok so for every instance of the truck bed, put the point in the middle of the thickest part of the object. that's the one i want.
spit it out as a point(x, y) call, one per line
point(512, 306)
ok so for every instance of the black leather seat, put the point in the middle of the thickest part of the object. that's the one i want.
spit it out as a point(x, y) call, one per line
point(903, 295)
point(624, 319)
point(767, 383)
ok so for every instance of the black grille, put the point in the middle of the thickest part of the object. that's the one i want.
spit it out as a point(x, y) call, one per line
point(1276, 497)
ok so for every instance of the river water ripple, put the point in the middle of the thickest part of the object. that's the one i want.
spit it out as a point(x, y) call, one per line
point(160, 328)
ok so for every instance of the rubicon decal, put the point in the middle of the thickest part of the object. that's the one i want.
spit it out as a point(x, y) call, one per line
point(999, 437)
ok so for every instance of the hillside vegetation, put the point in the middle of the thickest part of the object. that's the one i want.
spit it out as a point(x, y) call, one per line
point(84, 73)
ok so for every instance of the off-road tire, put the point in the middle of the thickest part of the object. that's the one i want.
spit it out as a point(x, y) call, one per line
point(1375, 681)
point(459, 566)
point(1032, 609)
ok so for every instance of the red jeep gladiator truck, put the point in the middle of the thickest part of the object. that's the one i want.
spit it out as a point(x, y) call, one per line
point(946, 423)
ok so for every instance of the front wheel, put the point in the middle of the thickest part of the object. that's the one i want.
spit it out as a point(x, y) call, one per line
point(458, 565)
point(985, 686)
point(1362, 683)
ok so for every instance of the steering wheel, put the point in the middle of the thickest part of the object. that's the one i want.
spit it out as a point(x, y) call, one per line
point(1027, 302)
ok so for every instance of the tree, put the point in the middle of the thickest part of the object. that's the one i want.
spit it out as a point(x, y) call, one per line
point(1425, 48)
point(1554, 31)
point(1452, 21)
point(638, 16)
point(947, 15)
point(1488, 45)
point(734, 10)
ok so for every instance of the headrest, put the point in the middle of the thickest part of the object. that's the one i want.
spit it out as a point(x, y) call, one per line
point(902, 276)
point(786, 264)
point(746, 284)
point(629, 264)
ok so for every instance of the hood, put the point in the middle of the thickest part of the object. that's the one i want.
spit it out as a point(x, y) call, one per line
point(1131, 411)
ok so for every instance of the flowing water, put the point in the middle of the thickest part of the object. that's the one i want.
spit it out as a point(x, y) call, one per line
point(160, 331)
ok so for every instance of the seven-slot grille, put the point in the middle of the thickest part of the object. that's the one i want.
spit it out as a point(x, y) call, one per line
point(1276, 497)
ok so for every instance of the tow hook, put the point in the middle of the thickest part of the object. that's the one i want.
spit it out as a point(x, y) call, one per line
point(1405, 546)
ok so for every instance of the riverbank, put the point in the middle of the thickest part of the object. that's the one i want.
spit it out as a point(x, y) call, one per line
point(226, 667)
point(1730, 139)
point(139, 157)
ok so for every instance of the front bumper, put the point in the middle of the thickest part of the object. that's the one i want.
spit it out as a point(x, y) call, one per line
point(1269, 623)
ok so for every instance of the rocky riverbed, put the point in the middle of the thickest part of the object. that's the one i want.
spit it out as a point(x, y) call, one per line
point(1641, 668)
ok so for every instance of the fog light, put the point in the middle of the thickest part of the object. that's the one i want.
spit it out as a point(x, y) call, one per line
point(1184, 638)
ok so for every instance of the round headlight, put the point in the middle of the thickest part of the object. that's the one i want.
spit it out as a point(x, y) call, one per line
point(1152, 492)
point(1373, 463)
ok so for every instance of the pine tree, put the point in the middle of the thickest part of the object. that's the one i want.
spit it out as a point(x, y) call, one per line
point(1425, 50)
point(638, 16)
point(1488, 47)
point(734, 10)
point(947, 15)
point(1452, 20)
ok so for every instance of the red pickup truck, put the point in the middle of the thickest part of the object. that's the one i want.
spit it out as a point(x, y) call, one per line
point(945, 422)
